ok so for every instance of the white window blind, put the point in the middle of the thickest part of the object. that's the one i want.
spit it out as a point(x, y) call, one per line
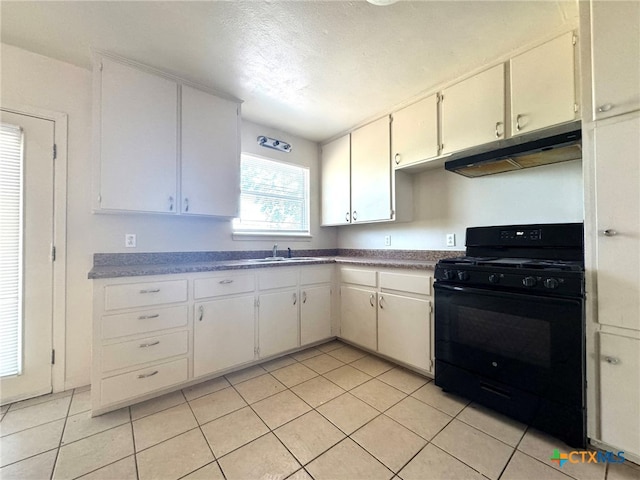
point(11, 168)
point(274, 197)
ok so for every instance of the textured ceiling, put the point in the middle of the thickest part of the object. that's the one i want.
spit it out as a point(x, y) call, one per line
point(311, 68)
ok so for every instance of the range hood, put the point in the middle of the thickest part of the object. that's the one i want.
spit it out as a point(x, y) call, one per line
point(542, 147)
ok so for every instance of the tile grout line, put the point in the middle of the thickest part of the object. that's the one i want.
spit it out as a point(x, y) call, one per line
point(64, 427)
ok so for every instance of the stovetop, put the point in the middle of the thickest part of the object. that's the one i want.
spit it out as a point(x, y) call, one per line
point(523, 263)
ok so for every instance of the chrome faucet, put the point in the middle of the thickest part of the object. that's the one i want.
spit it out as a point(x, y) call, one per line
point(275, 250)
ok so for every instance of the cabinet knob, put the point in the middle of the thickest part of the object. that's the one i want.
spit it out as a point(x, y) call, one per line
point(609, 232)
point(355, 215)
point(346, 217)
point(397, 158)
point(612, 360)
point(518, 126)
point(605, 108)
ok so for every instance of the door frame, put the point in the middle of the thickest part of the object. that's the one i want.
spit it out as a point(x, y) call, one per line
point(59, 296)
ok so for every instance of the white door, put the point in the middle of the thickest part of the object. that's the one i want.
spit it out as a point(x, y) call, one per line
point(315, 314)
point(26, 288)
point(414, 132)
point(278, 322)
point(336, 182)
point(358, 316)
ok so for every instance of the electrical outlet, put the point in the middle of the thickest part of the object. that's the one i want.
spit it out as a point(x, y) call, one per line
point(451, 239)
point(130, 240)
point(387, 240)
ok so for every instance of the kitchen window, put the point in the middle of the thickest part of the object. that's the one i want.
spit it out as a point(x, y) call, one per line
point(274, 198)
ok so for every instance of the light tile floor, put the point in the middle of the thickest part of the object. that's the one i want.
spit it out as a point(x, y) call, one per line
point(329, 412)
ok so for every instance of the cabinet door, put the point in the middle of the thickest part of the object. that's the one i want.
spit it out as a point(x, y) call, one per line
point(223, 334)
point(315, 314)
point(210, 155)
point(473, 111)
point(414, 132)
point(371, 172)
point(543, 86)
point(358, 319)
point(404, 329)
point(617, 153)
point(620, 392)
point(336, 182)
point(615, 30)
point(278, 322)
point(138, 140)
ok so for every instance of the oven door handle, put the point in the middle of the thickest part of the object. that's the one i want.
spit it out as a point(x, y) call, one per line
point(502, 293)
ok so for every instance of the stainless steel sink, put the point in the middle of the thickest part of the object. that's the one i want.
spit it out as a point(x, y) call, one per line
point(283, 259)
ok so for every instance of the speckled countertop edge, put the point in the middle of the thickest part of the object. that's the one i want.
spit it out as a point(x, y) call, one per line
point(135, 265)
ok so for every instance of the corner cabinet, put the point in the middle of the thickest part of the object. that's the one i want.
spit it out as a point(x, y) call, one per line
point(543, 89)
point(162, 146)
point(377, 193)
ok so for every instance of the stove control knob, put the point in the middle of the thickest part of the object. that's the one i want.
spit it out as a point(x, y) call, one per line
point(449, 274)
point(529, 281)
point(551, 283)
point(462, 275)
point(494, 278)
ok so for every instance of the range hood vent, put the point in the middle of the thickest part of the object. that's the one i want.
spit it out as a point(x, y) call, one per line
point(543, 147)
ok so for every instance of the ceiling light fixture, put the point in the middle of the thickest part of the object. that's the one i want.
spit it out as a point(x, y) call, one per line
point(273, 143)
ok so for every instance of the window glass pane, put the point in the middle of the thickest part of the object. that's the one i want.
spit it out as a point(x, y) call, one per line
point(11, 166)
point(274, 197)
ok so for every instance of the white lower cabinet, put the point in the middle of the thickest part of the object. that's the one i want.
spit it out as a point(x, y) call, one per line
point(223, 334)
point(315, 313)
point(358, 318)
point(388, 311)
point(404, 329)
point(277, 322)
point(620, 392)
point(158, 333)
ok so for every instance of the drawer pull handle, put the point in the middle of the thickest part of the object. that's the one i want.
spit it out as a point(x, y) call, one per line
point(225, 282)
point(295, 298)
point(150, 344)
point(605, 108)
point(371, 300)
point(200, 313)
point(380, 301)
point(150, 290)
point(304, 297)
point(147, 375)
point(147, 317)
point(612, 360)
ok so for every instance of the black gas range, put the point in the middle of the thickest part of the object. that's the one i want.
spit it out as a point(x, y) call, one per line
point(509, 324)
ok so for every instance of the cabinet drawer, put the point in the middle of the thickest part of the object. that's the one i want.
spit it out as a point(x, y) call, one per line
point(144, 294)
point(145, 350)
point(420, 284)
point(123, 324)
point(277, 278)
point(311, 275)
point(224, 285)
point(360, 277)
point(133, 384)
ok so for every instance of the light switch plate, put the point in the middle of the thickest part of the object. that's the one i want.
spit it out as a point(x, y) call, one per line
point(387, 240)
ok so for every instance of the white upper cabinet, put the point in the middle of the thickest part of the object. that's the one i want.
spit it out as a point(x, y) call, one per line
point(473, 111)
point(159, 151)
point(543, 86)
point(414, 132)
point(210, 155)
point(137, 140)
point(336, 182)
point(371, 173)
point(615, 28)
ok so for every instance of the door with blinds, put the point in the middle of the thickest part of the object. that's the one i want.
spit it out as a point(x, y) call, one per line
point(26, 268)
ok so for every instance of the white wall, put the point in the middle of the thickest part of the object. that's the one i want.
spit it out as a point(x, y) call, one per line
point(31, 79)
point(445, 202)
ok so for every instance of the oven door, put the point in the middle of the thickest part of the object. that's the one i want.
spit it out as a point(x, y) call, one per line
point(531, 342)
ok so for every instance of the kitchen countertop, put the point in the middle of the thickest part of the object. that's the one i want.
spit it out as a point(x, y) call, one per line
point(135, 265)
